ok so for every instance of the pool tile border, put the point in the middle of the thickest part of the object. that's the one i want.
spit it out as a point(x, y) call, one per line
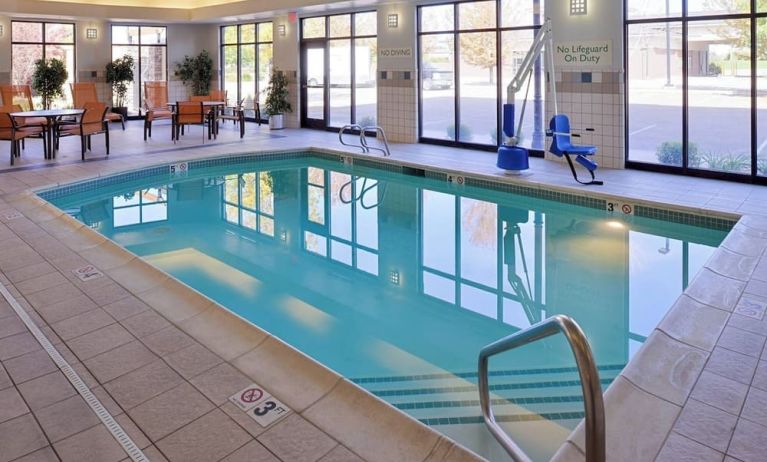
point(719, 221)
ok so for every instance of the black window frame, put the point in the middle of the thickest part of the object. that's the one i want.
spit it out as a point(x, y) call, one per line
point(138, 80)
point(456, 31)
point(326, 41)
point(685, 19)
point(44, 43)
point(239, 43)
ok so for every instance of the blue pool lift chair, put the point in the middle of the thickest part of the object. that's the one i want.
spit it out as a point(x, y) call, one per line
point(559, 130)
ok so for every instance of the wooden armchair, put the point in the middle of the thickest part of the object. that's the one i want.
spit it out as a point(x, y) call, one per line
point(91, 123)
point(86, 93)
point(155, 105)
point(192, 113)
point(11, 131)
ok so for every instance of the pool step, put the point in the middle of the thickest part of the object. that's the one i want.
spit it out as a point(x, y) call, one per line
point(446, 399)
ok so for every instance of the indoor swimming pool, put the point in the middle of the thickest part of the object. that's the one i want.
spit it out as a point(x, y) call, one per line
point(396, 279)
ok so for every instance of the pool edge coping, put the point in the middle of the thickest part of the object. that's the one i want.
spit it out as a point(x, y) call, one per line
point(572, 449)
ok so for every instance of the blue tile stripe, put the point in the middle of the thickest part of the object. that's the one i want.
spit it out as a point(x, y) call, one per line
point(494, 402)
point(504, 418)
point(495, 387)
point(574, 199)
point(469, 375)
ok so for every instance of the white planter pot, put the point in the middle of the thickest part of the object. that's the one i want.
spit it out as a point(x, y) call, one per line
point(276, 122)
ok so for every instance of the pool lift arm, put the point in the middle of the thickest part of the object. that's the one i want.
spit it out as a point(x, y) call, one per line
point(515, 158)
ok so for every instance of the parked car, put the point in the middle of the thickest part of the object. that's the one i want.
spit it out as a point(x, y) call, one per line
point(433, 78)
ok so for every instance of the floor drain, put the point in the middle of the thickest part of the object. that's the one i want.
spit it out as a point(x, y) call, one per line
point(114, 428)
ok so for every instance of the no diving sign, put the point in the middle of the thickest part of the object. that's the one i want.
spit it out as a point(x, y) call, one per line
point(259, 405)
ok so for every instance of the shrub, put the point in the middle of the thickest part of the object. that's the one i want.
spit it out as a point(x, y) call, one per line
point(714, 69)
point(277, 94)
point(119, 75)
point(726, 162)
point(464, 132)
point(196, 72)
point(367, 121)
point(48, 80)
point(670, 153)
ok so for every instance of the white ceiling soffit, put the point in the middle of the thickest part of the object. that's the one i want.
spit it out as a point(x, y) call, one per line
point(164, 11)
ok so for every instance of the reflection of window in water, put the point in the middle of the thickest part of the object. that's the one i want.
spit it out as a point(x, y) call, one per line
point(137, 207)
point(340, 222)
point(462, 258)
point(249, 201)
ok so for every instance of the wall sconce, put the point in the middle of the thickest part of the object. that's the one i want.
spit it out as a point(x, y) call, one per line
point(281, 30)
point(91, 33)
point(392, 20)
point(577, 7)
point(2, 30)
point(284, 236)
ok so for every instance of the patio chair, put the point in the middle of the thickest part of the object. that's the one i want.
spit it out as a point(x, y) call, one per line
point(155, 105)
point(191, 113)
point(21, 95)
point(90, 123)
point(11, 131)
point(237, 115)
point(85, 92)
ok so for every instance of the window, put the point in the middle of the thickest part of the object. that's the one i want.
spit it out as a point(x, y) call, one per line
point(249, 201)
point(468, 54)
point(695, 87)
point(31, 41)
point(246, 60)
point(341, 218)
point(148, 47)
point(139, 207)
point(340, 66)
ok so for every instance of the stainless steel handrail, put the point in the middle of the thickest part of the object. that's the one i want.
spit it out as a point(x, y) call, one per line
point(584, 359)
point(362, 144)
point(380, 130)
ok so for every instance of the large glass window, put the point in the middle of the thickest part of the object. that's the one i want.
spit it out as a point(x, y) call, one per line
point(246, 60)
point(148, 47)
point(31, 41)
point(339, 69)
point(696, 86)
point(139, 207)
point(249, 201)
point(468, 54)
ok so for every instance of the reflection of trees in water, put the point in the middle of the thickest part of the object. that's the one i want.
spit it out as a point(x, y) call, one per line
point(479, 218)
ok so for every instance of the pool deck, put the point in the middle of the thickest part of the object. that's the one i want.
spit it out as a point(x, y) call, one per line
point(164, 359)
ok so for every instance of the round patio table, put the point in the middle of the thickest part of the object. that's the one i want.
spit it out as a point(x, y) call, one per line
point(51, 115)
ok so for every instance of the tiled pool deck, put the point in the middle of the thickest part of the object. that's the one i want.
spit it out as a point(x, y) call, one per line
point(152, 350)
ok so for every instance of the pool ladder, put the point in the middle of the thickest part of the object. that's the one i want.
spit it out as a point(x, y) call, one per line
point(584, 359)
point(363, 142)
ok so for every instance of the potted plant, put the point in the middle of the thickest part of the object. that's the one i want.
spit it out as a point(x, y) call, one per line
point(277, 100)
point(196, 73)
point(119, 75)
point(48, 80)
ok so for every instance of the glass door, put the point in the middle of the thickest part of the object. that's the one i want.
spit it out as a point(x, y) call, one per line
point(313, 85)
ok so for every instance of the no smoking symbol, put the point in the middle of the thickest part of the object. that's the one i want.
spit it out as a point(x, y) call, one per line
point(251, 395)
point(626, 209)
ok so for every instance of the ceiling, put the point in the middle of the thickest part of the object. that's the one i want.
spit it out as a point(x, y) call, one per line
point(177, 4)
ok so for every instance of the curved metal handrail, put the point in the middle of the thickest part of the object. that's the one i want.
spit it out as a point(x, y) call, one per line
point(362, 145)
point(361, 196)
point(377, 129)
point(584, 359)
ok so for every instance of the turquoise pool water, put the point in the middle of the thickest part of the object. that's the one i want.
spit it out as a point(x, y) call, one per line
point(396, 281)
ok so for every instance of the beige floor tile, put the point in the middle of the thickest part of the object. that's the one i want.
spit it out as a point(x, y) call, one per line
point(107, 255)
point(106, 293)
point(45, 454)
point(29, 272)
point(11, 326)
point(101, 340)
point(81, 324)
point(211, 437)
point(52, 295)
point(175, 301)
point(66, 308)
point(66, 418)
point(17, 345)
point(167, 340)
point(341, 454)
point(42, 282)
point(11, 404)
point(220, 382)
point(295, 439)
point(744, 342)
point(95, 444)
point(242, 419)
point(731, 364)
point(145, 323)
point(169, 411)
point(681, 449)
point(19, 437)
point(755, 407)
point(749, 443)
point(706, 425)
point(5, 380)
point(192, 360)
point(137, 276)
point(760, 376)
point(46, 390)
point(118, 361)
point(125, 308)
point(251, 452)
point(135, 387)
point(715, 290)
point(224, 333)
point(720, 392)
